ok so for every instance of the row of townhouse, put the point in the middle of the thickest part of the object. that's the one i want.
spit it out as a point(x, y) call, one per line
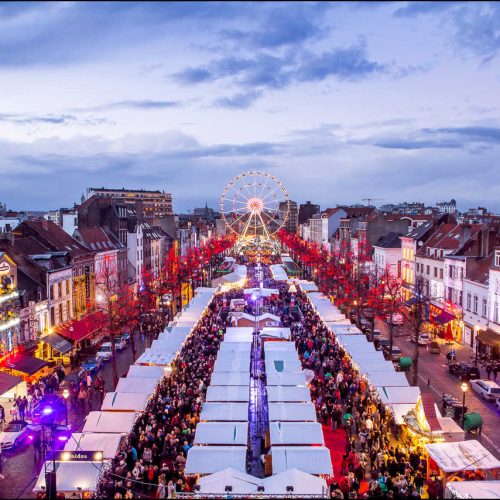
point(458, 264)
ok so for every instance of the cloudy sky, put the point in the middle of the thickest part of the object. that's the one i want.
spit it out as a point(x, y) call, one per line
point(394, 100)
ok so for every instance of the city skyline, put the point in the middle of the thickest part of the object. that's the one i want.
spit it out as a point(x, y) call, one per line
point(182, 97)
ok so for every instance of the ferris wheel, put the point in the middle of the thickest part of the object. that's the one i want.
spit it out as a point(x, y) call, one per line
point(254, 205)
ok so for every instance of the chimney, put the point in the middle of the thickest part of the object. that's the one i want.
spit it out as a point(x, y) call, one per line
point(465, 233)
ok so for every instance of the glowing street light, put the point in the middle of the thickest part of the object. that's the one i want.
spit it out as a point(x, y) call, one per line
point(464, 388)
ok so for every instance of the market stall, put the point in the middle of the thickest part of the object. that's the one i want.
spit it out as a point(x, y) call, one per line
point(151, 372)
point(210, 459)
point(228, 393)
point(241, 357)
point(110, 422)
point(303, 484)
point(224, 412)
point(239, 482)
point(296, 378)
point(226, 433)
point(295, 433)
point(285, 394)
point(118, 401)
point(275, 333)
point(136, 385)
point(90, 441)
point(472, 489)
point(151, 357)
point(235, 347)
point(230, 378)
point(387, 379)
point(283, 363)
point(310, 459)
point(292, 412)
point(280, 346)
point(232, 365)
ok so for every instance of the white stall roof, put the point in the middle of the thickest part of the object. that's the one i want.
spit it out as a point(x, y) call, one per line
point(230, 378)
point(285, 355)
point(228, 393)
point(279, 274)
point(70, 476)
point(205, 289)
point(284, 393)
point(368, 358)
point(385, 379)
point(400, 410)
point(119, 401)
point(241, 357)
point(240, 482)
point(376, 366)
point(308, 286)
point(292, 412)
point(141, 371)
point(137, 385)
point(170, 343)
point(303, 484)
point(279, 346)
point(235, 347)
point(473, 489)
point(311, 459)
point(210, 459)
point(296, 433)
point(239, 329)
point(290, 378)
point(224, 412)
point(344, 329)
point(262, 292)
point(110, 422)
point(399, 395)
point(232, 365)
point(465, 455)
point(90, 441)
point(228, 433)
point(174, 332)
point(281, 365)
point(354, 341)
point(155, 358)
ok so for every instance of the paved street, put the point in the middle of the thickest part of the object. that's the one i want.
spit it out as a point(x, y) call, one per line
point(20, 470)
point(433, 368)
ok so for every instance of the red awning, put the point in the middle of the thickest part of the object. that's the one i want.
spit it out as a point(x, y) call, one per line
point(443, 318)
point(430, 411)
point(78, 330)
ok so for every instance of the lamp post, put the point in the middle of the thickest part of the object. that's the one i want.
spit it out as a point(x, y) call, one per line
point(464, 388)
point(66, 396)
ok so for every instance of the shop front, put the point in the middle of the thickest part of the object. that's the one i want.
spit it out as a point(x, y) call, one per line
point(54, 349)
point(488, 344)
point(25, 366)
point(83, 333)
point(11, 387)
point(446, 321)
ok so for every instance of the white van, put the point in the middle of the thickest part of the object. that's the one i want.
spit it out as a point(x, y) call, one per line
point(104, 351)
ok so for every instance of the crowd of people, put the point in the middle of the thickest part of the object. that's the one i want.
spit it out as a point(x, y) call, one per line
point(374, 463)
point(152, 460)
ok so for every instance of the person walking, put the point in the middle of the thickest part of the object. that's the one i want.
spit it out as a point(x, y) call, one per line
point(489, 369)
point(2, 417)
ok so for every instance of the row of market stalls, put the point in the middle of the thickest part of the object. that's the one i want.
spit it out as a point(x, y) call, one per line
point(235, 279)
point(219, 457)
point(415, 412)
point(104, 430)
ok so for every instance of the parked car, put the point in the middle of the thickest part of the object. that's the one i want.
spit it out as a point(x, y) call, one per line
point(381, 343)
point(397, 319)
point(394, 355)
point(13, 434)
point(120, 343)
point(423, 339)
point(434, 347)
point(92, 364)
point(75, 377)
point(487, 389)
point(365, 325)
point(464, 371)
point(373, 336)
point(105, 352)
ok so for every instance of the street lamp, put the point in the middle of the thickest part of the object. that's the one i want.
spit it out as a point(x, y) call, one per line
point(464, 388)
point(66, 396)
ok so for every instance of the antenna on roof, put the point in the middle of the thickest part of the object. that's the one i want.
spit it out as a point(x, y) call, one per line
point(369, 200)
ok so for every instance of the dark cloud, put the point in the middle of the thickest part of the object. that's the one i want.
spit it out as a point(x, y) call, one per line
point(144, 104)
point(288, 24)
point(237, 101)
point(344, 63)
point(49, 119)
point(469, 138)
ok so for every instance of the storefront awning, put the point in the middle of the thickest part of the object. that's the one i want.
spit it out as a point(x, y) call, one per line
point(25, 364)
point(7, 382)
point(489, 337)
point(444, 318)
point(78, 330)
point(57, 342)
point(411, 302)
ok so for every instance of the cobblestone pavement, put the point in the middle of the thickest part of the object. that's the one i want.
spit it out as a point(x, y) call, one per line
point(19, 467)
point(433, 374)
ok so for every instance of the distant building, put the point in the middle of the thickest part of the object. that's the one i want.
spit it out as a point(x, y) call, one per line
point(146, 203)
point(205, 213)
point(306, 211)
point(292, 221)
point(447, 207)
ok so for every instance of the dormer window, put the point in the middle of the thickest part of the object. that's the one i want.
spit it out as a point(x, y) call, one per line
point(497, 258)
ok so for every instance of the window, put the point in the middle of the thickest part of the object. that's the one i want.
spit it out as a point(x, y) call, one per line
point(428, 270)
point(497, 259)
point(52, 316)
point(435, 272)
point(59, 290)
point(469, 301)
point(441, 273)
point(450, 292)
point(485, 308)
point(450, 271)
point(67, 287)
point(476, 302)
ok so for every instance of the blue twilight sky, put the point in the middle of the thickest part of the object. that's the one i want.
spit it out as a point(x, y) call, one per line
point(341, 101)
